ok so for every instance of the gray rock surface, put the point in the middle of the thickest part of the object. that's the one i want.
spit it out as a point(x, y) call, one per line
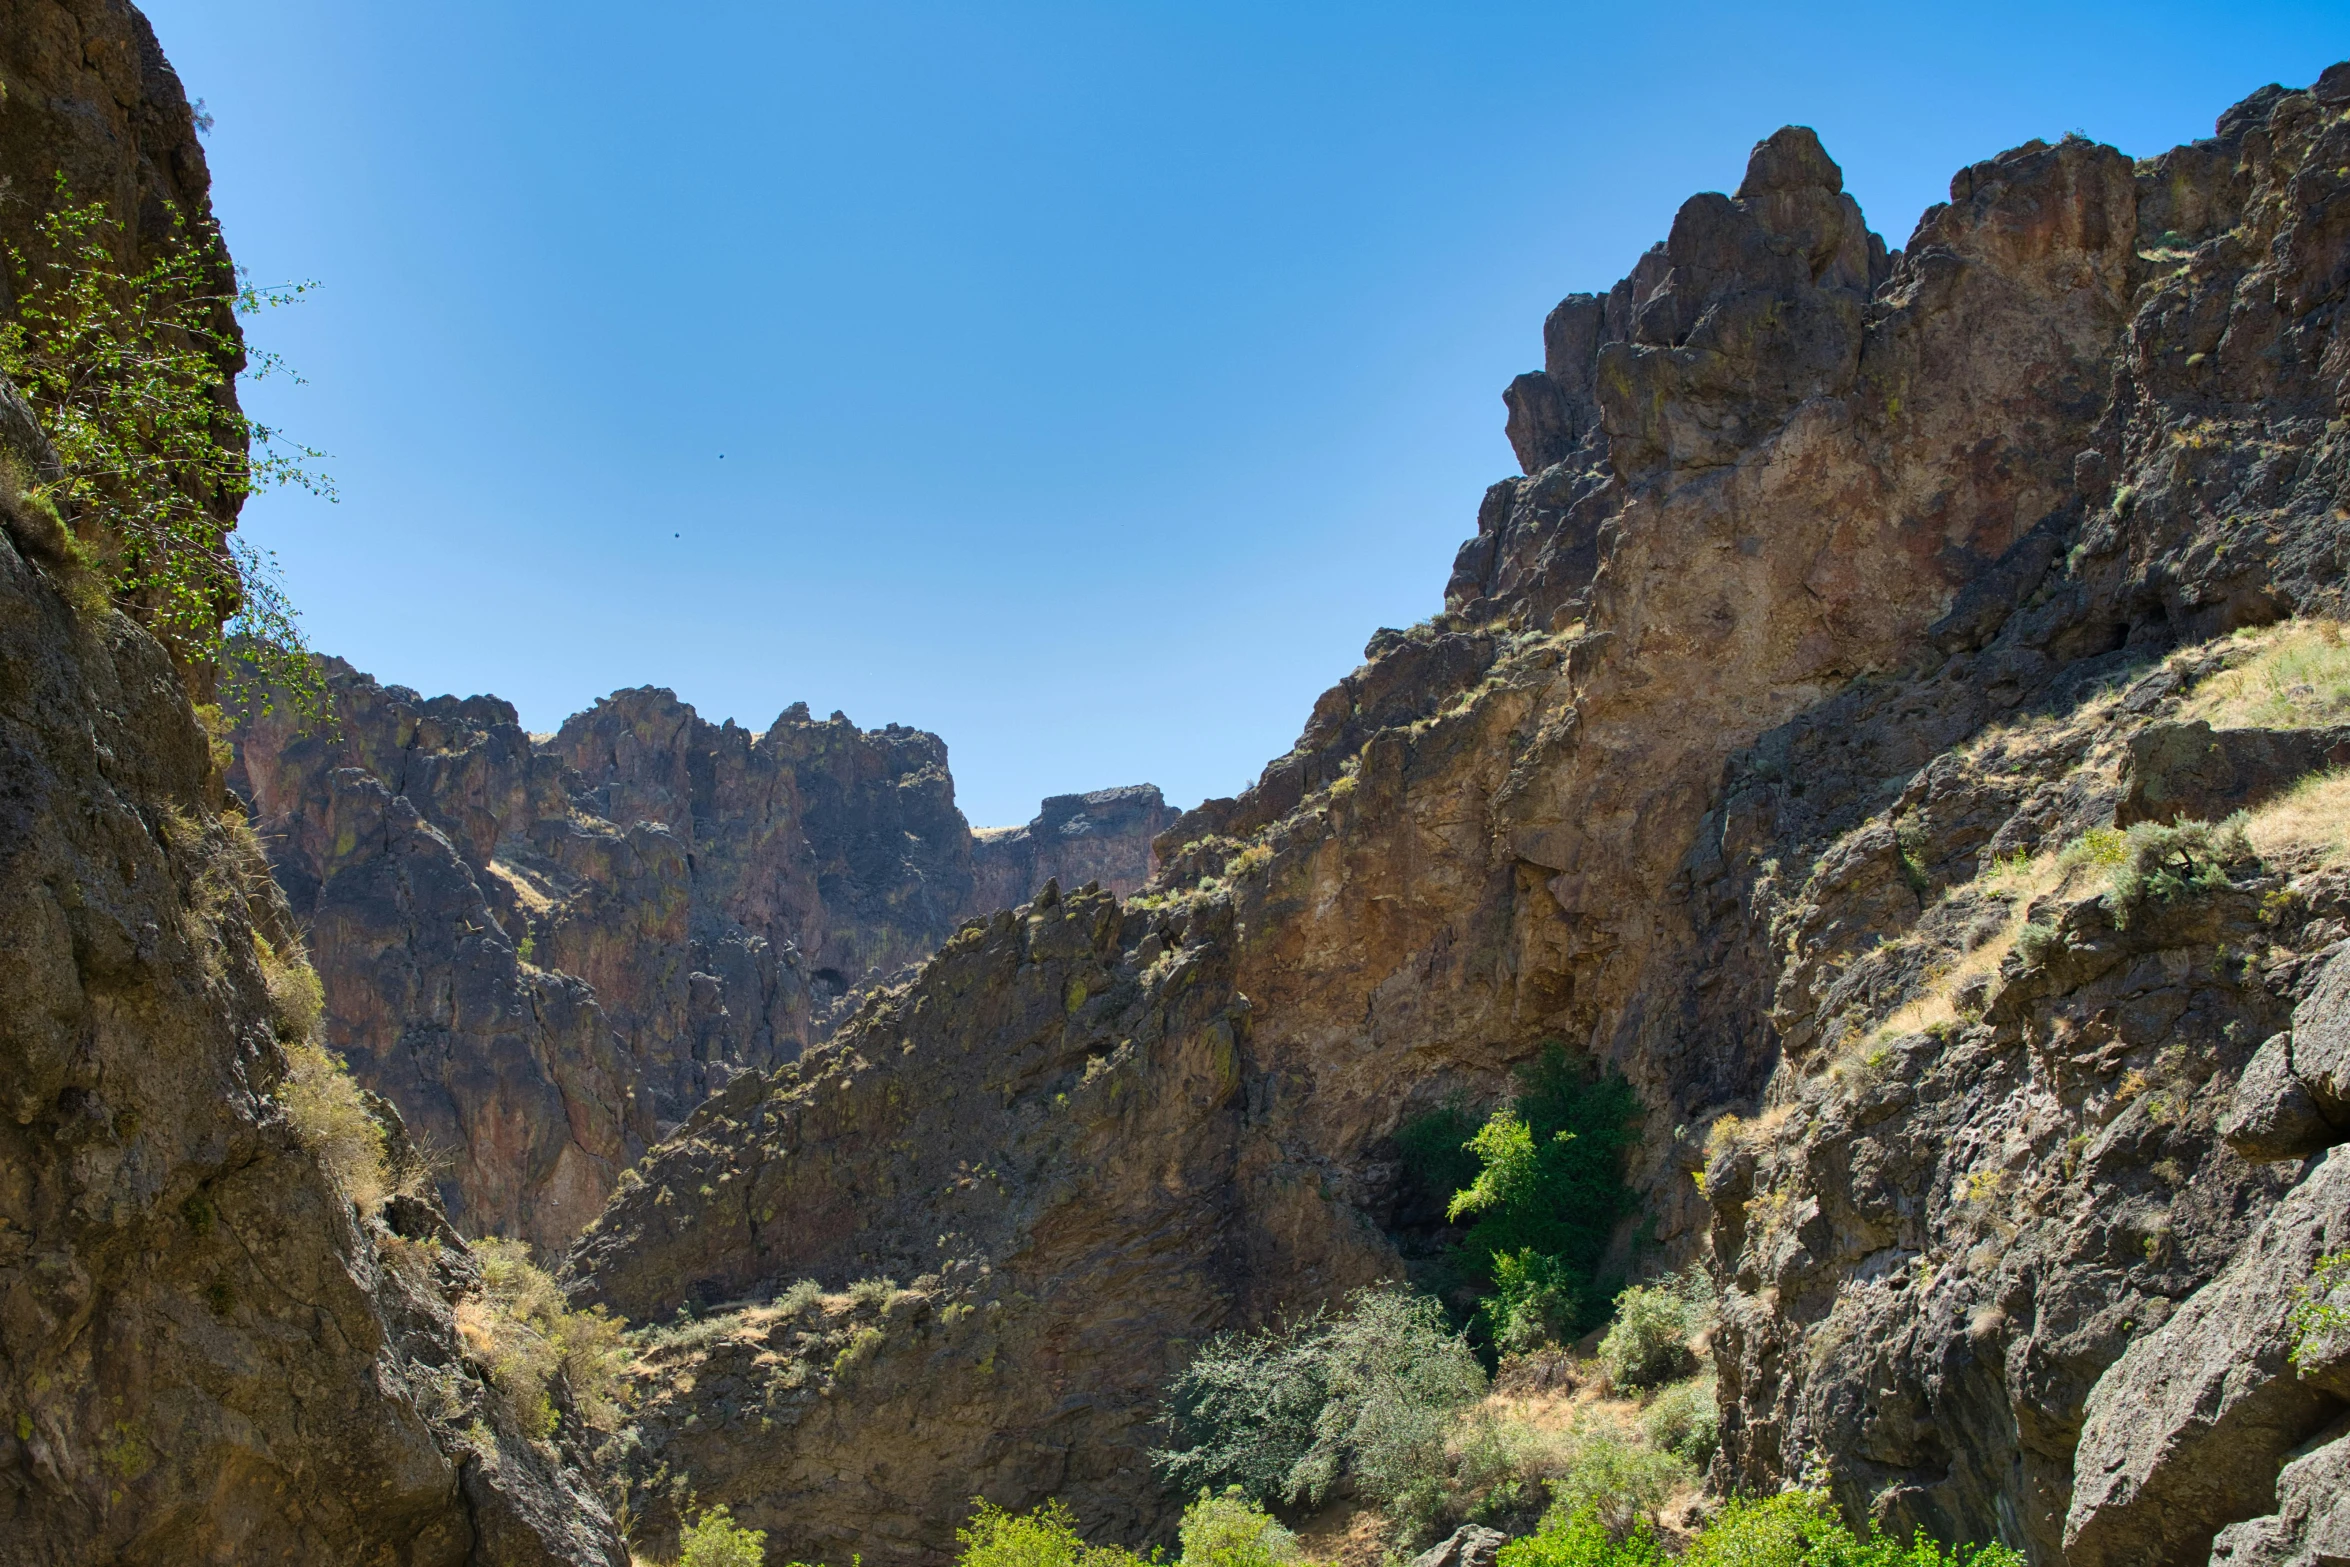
point(2311, 1526)
point(1471, 1545)
point(2185, 1433)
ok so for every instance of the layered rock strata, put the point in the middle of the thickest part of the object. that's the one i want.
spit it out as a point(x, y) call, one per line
point(547, 951)
point(1838, 580)
point(207, 1353)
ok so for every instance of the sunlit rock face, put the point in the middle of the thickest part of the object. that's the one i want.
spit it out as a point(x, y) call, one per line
point(1837, 578)
point(547, 950)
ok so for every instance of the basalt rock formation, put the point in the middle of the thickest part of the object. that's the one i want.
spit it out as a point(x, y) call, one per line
point(547, 951)
point(1840, 584)
point(1103, 837)
point(207, 1353)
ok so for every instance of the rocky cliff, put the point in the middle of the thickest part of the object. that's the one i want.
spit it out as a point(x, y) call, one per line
point(1103, 837)
point(1770, 750)
point(546, 951)
point(208, 1352)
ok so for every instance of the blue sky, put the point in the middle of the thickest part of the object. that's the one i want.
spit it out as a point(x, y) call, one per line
point(1090, 379)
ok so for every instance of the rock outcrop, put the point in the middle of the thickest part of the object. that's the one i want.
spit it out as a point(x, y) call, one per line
point(1103, 837)
point(547, 951)
point(207, 1353)
point(1838, 587)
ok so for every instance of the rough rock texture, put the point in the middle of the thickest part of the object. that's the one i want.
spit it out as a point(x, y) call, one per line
point(546, 953)
point(2188, 1429)
point(1838, 578)
point(1036, 1135)
point(206, 1354)
point(2190, 771)
point(1103, 837)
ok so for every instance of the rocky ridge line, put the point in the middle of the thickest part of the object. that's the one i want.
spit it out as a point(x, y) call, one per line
point(1838, 576)
point(546, 952)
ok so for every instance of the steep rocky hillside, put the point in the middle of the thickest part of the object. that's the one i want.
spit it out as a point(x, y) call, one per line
point(1771, 750)
point(547, 951)
point(208, 1352)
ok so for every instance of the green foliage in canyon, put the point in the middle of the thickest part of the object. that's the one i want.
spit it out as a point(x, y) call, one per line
point(1540, 1186)
point(1285, 1413)
point(1792, 1529)
point(128, 366)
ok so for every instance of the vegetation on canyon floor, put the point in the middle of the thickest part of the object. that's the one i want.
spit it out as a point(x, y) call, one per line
point(1793, 1529)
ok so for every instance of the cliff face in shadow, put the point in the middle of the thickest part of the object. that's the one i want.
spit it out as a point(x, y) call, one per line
point(208, 1352)
point(1837, 579)
point(547, 951)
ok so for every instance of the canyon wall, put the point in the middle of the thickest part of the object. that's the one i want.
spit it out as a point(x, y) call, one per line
point(1837, 579)
point(546, 951)
point(208, 1353)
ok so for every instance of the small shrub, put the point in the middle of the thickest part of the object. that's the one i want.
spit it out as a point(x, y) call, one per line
point(2169, 861)
point(1045, 1537)
point(1231, 1531)
point(1398, 1380)
point(1581, 1540)
point(862, 1346)
point(1534, 1302)
point(1284, 1414)
point(296, 999)
point(1648, 1344)
point(1242, 1414)
point(716, 1540)
point(1615, 1479)
point(1801, 1529)
point(330, 1118)
point(799, 1297)
point(523, 1330)
point(2318, 1317)
point(2035, 941)
point(1685, 1420)
point(872, 1292)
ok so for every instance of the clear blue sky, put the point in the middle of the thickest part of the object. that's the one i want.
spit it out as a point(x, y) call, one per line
point(1091, 379)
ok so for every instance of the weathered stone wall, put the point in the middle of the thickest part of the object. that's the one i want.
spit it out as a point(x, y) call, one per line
point(207, 1355)
point(1836, 575)
point(546, 953)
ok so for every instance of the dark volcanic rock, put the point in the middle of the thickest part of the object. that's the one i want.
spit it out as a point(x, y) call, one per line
point(207, 1355)
point(1838, 580)
point(547, 953)
point(2190, 771)
point(1103, 837)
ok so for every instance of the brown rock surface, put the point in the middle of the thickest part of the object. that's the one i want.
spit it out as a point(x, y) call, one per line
point(1842, 576)
point(547, 953)
point(206, 1354)
point(1102, 837)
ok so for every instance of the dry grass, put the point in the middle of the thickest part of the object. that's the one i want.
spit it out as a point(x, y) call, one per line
point(2018, 881)
point(2308, 826)
point(323, 1103)
point(522, 1329)
point(2296, 675)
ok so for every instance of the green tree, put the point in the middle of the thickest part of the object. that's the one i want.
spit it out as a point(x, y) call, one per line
point(716, 1540)
point(129, 368)
point(1547, 1194)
